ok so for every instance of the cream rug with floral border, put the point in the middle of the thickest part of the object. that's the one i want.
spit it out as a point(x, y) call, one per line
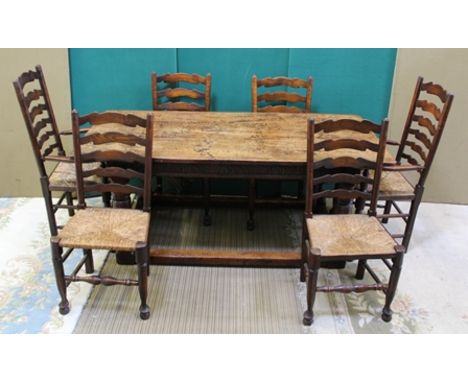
point(432, 296)
point(28, 293)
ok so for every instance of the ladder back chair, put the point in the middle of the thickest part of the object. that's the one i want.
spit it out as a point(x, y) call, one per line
point(278, 102)
point(169, 95)
point(421, 135)
point(33, 97)
point(328, 238)
point(124, 143)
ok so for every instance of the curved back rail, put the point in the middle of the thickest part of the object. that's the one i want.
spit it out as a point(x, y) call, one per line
point(329, 162)
point(33, 97)
point(278, 101)
point(170, 89)
point(126, 154)
point(424, 125)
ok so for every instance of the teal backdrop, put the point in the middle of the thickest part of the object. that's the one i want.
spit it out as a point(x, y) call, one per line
point(346, 81)
point(356, 81)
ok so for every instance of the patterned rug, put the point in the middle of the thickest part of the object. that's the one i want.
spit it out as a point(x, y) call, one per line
point(432, 294)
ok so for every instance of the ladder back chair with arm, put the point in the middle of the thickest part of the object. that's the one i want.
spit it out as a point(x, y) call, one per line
point(423, 130)
point(169, 95)
point(328, 238)
point(124, 143)
point(278, 102)
point(33, 97)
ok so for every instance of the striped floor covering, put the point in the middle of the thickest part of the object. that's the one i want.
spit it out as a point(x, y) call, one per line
point(246, 300)
point(206, 299)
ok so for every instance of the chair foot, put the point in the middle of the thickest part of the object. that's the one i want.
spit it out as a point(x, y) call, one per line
point(64, 308)
point(250, 224)
point(207, 220)
point(387, 314)
point(144, 312)
point(308, 318)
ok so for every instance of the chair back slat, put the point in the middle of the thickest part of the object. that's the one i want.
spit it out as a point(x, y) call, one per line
point(169, 95)
point(27, 77)
point(110, 117)
point(115, 187)
point(425, 122)
point(344, 162)
point(430, 108)
point(33, 97)
point(424, 125)
point(111, 137)
point(181, 92)
point(281, 96)
point(281, 101)
point(352, 144)
point(342, 178)
point(436, 90)
point(105, 155)
point(124, 155)
point(340, 168)
point(181, 106)
point(114, 172)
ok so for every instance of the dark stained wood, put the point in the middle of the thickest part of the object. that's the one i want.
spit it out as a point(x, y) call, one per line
point(200, 145)
point(181, 92)
point(338, 157)
point(211, 257)
point(174, 92)
point(283, 81)
point(435, 89)
point(282, 96)
point(117, 176)
point(429, 107)
point(44, 136)
point(347, 185)
point(113, 147)
point(418, 148)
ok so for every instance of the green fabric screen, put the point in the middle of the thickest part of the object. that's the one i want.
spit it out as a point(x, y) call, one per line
point(356, 81)
point(348, 81)
point(103, 79)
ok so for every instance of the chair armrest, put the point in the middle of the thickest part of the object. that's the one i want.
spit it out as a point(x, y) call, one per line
point(59, 158)
point(69, 132)
point(402, 167)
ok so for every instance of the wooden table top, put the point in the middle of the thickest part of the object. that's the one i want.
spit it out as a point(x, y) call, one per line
point(235, 137)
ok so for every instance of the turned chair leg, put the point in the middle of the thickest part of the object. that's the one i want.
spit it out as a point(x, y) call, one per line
point(69, 197)
point(106, 199)
point(313, 266)
point(64, 305)
point(360, 269)
point(300, 189)
point(359, 205)
point(89, 264)
point(250, 222)
point(303, 269)
point(387, 209)
point(206, 199)
point(142, 264)
point(392, 286)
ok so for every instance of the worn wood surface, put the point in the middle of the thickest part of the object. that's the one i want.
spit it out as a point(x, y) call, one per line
point(270, 138)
